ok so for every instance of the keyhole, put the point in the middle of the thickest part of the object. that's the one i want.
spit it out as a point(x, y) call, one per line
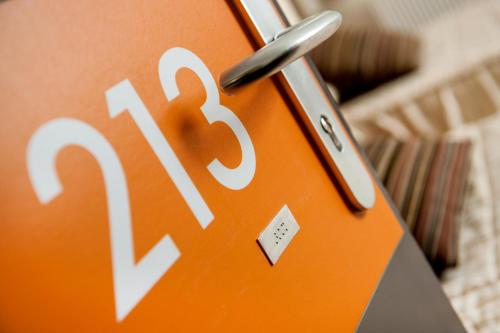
point(327, 127)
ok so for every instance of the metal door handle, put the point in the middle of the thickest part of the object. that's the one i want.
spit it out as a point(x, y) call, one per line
point(287, 46)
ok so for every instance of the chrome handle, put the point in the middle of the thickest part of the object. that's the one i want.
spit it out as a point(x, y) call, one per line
point(287, 46)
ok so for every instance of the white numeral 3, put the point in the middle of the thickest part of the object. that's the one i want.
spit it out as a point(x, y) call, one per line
point(177, 58)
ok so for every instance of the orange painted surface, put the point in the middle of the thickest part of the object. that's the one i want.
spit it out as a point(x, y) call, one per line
point(58, 59)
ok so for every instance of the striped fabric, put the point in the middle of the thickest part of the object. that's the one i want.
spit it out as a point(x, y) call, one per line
point(355, 60)
point(426, 180)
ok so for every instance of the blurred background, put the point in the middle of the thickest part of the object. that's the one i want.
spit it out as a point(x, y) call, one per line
point(419, 83)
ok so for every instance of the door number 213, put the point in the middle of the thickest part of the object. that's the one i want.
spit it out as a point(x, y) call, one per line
point(133, 279)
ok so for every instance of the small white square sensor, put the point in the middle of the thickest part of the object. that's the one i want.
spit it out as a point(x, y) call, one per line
point(275, 238)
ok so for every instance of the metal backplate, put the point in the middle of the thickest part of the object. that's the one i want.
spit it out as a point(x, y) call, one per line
point(313, 108)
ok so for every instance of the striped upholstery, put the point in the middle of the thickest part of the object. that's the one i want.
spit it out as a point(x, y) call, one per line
point(426, 180)
point(355, 60)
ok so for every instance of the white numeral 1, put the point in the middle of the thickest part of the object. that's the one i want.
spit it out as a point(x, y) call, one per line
point(123, 97)
point(131, 280)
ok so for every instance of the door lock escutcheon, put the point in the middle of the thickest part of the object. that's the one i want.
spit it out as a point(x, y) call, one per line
point(282, 52)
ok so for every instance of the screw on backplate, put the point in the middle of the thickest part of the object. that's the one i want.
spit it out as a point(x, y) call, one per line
point(327, 127)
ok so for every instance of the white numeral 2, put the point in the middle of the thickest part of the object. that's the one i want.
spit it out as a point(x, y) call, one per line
point(131, 280)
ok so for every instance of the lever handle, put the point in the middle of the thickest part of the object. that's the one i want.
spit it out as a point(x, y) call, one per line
point(287, 46)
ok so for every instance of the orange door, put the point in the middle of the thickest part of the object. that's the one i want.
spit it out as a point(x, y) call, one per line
point(133, 192)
